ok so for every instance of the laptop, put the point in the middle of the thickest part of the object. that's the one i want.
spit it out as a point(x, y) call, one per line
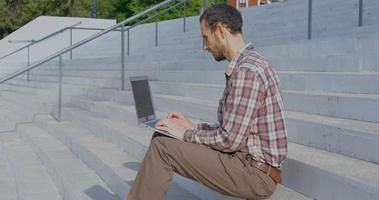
point(144, 104)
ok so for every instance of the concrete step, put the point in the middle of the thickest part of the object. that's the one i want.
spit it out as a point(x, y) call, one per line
point(350, 106)
point(328, 167)
point(5, 123)
point(338, 129)
point(325, 133)
point(337, 63)
point(38, 100)
point(272, 33)
point(287, 19)
point(46, 88)
point(189, 39)
point(98, 73)
point(41, 104)
point(30, 175)
point(28, 84)
point(8, 187)
point(324, 63)
point(347, 137)
point(264, 36)
point(325, 175)
point(359, 83)
point(345, 45)
point(112, 164)
point(8, 119)
point(72, 177)
point(15, 113)
point(343, 82)
point(80, 81)
point(24, 89)
point(135, 142)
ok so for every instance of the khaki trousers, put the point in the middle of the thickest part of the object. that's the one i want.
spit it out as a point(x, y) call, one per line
point(228, 174)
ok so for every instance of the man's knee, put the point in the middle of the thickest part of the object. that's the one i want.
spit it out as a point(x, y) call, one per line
point(162, 139)
point(164, 144)
point(159, 140)
point(156, 134)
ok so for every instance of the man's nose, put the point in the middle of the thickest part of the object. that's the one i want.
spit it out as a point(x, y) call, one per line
point(205, 46)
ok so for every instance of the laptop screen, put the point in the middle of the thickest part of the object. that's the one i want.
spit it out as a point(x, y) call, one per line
point(142, 98)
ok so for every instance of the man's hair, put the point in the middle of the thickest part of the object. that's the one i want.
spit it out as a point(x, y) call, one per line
point(224, 14)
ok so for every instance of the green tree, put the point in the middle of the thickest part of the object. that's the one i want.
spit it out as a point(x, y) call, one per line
point(16, 13)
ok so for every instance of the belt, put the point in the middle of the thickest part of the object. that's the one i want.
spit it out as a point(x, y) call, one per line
point(272, 172)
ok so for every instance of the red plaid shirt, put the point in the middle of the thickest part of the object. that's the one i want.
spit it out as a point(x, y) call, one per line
point(250, 113)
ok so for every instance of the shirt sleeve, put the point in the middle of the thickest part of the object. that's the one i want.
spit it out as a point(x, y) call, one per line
point(206, 126)
point(237, 116)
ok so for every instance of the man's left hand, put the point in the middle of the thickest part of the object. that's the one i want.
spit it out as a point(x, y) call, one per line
point(172, 126)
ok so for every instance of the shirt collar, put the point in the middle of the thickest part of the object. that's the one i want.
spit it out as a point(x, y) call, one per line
point(235, 59)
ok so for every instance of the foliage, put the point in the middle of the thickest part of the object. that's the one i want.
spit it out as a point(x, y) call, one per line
point(16, 13)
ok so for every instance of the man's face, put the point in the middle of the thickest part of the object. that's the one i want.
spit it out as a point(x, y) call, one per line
point(212, 42)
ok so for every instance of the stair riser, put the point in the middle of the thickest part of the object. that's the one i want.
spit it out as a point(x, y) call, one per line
point(360, 84)
point(351, 143)
point(332, 186)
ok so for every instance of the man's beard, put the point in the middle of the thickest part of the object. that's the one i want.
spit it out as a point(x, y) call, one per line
point(218, 50)
point(218, 54)
point(219, 57)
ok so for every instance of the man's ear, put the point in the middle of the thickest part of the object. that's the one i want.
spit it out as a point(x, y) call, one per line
point(223, 29)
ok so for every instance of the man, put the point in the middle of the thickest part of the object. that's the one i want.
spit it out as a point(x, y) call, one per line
point(242, 155)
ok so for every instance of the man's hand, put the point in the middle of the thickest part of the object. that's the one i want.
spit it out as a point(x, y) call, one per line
point(172, 126)
point(182, 120)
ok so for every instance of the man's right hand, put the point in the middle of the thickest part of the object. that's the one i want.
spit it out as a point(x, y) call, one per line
point(182, 120)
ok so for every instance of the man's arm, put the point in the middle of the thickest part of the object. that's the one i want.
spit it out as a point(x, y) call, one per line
point(242, 104)
point(188, 123)
point(206, 126)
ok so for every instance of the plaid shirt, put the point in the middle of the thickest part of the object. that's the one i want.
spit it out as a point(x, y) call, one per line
point(250, 113)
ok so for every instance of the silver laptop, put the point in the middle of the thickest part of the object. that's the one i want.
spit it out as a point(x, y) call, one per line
point(144, 104)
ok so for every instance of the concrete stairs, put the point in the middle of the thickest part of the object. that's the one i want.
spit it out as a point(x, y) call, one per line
point(302, 160)
point(102, 117)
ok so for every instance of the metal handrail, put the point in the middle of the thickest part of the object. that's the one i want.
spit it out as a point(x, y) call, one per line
point(159, 13)
point(33, 42)
point(84, 41)
point(310, 13)
point(140, 22)
point(88, 39)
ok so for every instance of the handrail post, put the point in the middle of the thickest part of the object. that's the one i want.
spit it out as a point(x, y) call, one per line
point(28, 78)
point(360, 13)
point(60, 88)
point(70, 43)
point(185, 15)
point(122, 57)
point(156, 32)
point(128, 42)
point(309, 19)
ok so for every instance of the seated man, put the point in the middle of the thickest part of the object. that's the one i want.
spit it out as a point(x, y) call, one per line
point(242, 155)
